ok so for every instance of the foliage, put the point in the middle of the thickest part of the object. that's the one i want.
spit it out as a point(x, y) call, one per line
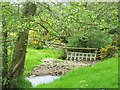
point(91, 39)
point(13, 23)
point(57, 20)
point(102, 75)
point(32, 41)
point(23, 83)
point(62, 56)
point(119, 54)
point(97, 39)
point(116, 41)
point(4, 80)
point(108, 52)
point(86, 19)
point(37, 39)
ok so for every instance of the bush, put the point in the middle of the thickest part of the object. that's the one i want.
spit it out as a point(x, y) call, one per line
point(90, 39)
point(76, 40)
point(116, 42)
point(119, 54)
point(62, 56)
point(108, 52)
point(36, 39)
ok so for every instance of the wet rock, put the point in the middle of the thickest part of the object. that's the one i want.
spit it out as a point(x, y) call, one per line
point(37, 74)
point(60, 72)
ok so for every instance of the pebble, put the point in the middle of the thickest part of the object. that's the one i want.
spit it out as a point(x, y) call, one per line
point(51, 68)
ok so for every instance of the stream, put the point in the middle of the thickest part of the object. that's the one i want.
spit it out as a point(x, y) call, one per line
point(41, 79)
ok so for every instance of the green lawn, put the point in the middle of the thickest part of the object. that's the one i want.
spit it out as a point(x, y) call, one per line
point(34, 57)
point(103, 75)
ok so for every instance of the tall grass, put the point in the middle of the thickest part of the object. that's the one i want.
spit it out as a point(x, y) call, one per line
point(103, 75)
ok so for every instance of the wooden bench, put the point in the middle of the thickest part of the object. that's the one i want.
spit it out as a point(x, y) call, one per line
point(80, 55)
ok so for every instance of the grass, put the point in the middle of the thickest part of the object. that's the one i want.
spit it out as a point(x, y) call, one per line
point(23, 83)
point(34, 57)
point(103, 75)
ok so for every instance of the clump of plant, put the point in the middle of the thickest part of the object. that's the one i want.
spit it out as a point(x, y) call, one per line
point(35, 44)
point(108, 52)
point(90, 38)
point(36, 39)
point(119, 54)
point(116, 42)
point(62, 56)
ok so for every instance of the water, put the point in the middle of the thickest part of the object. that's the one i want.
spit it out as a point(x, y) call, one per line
point(41, 79)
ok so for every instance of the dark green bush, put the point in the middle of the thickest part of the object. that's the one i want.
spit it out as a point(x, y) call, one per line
point(90, 39)
point(39, 47)
point(62, 56)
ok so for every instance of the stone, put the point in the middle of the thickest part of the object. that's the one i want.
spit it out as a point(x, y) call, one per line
point(59, 68)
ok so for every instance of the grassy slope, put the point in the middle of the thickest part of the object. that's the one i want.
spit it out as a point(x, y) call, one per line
point(103, 75)
point(34, 57)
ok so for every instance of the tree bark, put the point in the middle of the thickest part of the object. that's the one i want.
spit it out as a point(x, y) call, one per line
point(17, 66)
point(19, 54)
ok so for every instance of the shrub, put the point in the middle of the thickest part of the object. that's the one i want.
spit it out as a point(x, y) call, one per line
point(36, 39)
point(119, 54)
point(116, 42)
point(62, 56)
point(90, 39)
point(98, 39)
point(108, 52)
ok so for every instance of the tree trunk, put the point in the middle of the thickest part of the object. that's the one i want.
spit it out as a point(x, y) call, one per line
point(19, 54)
point(17, 67)
point(0, 47)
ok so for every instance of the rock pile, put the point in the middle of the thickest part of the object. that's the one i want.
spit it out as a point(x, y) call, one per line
point(50, 67)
